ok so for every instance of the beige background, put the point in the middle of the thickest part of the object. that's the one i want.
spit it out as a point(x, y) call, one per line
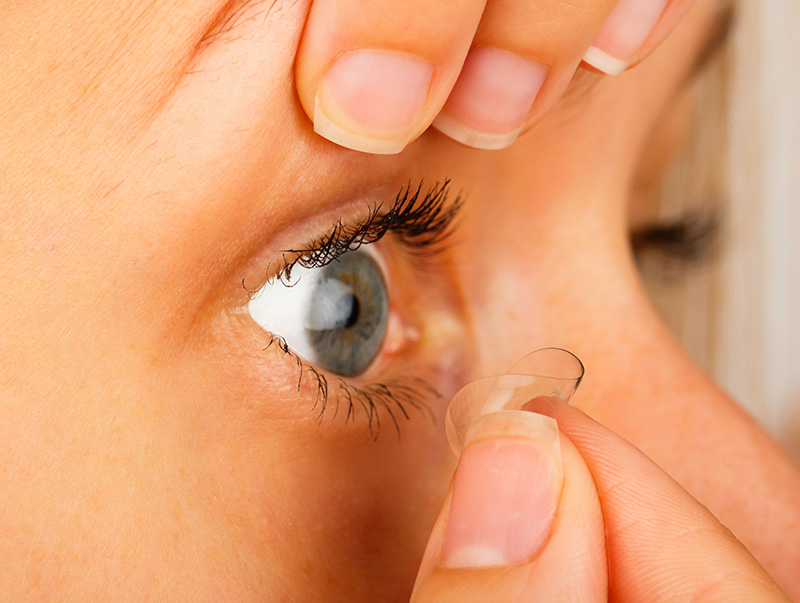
point(740, 315)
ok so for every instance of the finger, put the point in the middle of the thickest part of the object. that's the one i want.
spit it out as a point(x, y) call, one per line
point(663, 545)
point(373, 75)
point(522, 521)
point(523, 58)
point(675, 11)
point(634, 28)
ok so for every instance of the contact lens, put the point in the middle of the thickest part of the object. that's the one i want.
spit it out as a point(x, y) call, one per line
point(541, 382)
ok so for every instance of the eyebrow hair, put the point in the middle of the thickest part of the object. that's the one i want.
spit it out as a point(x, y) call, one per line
point(231, 14)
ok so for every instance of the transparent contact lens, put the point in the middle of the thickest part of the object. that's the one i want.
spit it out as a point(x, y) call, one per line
point(541, 382)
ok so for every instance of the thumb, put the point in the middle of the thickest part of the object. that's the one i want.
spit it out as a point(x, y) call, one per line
point(522, 521)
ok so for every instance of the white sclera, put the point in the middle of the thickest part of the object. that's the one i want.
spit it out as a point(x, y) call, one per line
point(540, 382)
point(281, 307)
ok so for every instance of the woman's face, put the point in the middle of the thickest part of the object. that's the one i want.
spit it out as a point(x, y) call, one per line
point(156, 170)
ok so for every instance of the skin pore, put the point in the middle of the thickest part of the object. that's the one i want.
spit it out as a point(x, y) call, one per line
point(156, 449)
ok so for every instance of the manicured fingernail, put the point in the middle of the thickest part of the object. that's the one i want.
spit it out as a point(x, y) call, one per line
point(623, 34)
point(491, 99)
point(505, 491)
point(370, 100)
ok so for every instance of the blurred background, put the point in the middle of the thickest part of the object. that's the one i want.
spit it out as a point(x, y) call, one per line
point(737, 311)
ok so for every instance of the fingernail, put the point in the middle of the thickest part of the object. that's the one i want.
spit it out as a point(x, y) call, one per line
point(370, 100)
point(491, 99)
point(505, 492)
point(623, 34)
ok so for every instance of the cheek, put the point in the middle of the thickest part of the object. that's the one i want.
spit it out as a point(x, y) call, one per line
point(333, 515)
point(290, 505)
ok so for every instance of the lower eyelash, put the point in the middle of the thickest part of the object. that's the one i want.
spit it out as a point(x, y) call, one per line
point(397, 397)
point(403, 394)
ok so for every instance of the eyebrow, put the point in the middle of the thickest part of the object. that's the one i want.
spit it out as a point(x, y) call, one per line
point(231, 14)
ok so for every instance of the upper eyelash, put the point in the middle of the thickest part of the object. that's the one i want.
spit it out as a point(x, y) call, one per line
point(684, 242)
point(421, 224)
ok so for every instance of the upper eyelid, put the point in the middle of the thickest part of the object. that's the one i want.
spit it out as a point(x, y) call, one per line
point(424, 239)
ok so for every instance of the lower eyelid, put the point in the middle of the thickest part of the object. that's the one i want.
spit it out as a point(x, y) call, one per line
point(375, 403)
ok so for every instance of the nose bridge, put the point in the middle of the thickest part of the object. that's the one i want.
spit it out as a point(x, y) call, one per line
point(508, 326)
point(514, 318)
point(542, 281)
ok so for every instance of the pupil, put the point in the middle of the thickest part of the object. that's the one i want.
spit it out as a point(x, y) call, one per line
point(355, 310)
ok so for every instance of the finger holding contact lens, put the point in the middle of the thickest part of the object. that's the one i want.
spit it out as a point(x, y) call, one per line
point(540, 382)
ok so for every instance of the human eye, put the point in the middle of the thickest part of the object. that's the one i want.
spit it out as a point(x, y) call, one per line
point(330, 306)
point(667, 249)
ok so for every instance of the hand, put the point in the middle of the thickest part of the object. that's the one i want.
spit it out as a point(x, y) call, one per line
point(581, 515)
point(373, 76)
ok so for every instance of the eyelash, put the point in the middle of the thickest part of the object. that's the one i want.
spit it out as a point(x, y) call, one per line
point(422, 224)
point(683, 243)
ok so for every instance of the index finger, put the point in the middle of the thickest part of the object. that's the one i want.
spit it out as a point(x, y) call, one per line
point(373, 75)
point(662, 544)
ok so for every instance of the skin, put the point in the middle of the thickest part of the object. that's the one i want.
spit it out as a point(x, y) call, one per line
point(553, 35)
point(155, 450)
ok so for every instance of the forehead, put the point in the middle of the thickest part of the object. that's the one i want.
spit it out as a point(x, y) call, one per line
point(207, 84)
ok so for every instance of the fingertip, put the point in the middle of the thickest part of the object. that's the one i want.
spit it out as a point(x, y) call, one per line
point(372, 76)
point(604, 62)
point(370, 100)
point(505, 491)
point(472, 137)
point(624, 32)
point(555, 546)
point(491, 99)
